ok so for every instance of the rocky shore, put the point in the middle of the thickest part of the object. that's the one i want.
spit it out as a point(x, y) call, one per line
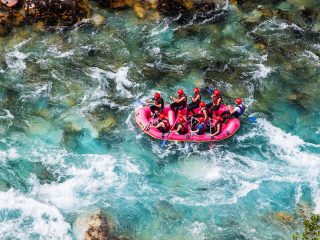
point(15, 13)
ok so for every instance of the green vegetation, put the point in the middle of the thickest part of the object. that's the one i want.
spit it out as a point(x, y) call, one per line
point(311, 229)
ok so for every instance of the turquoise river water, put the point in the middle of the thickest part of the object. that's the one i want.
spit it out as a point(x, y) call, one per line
point(69, 144)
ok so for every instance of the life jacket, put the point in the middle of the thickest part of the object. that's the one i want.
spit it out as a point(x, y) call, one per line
point(183, 103)
point(242, 109)
point(201, 131)
point(166, 124)
point(184, 128)
point(215, 99)
point(213, 127)
point(199, 99)
point(201, 111)
point(159, 101)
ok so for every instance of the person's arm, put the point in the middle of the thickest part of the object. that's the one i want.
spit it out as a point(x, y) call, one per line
point(173, 98)
point(217, 132)
point(149, 101)
point(205, 114)
point(180, 100)
point(159, 125)
point(158, 105)
point(196, 98)
point(195, 131)
point(178, 128)
point(232, 111)
point(219, 101)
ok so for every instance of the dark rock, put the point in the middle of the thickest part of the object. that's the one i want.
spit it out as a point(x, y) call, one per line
point(114, 4)
point(92, 226)
point(98, 228)
point(55, 12)
point(51, 12)
point(188, 10)
point(308, 15)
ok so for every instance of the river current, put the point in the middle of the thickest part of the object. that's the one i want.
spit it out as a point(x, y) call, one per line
point(69, 144)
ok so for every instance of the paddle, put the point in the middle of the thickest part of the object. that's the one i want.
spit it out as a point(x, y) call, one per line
point(210, 136)
point(163, 143)
point(209, 89)
point(138, 103)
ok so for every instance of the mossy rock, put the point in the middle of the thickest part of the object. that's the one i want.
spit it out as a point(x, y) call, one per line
point(4, 186)
point(284, 217)
point(105, 125)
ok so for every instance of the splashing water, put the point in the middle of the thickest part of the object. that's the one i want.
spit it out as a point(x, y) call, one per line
point(69, 143)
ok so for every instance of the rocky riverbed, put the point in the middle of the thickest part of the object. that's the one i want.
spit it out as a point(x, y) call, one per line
point(14, 13)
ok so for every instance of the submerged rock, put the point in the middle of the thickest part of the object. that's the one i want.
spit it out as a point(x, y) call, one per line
point(284, 217)
point(98, 228)
point(92, 226)
point(105, 125)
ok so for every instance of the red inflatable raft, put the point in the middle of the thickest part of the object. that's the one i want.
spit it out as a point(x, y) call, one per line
point(143, 119)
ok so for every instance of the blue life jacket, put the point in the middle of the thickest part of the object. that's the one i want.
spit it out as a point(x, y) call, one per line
point(201, 128)
point(242, 109)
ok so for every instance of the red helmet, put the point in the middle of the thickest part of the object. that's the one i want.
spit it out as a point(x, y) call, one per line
point(238, 101)
point(216, 92)
point(157, 95)
point(218, 118)
point(201, 119)
point(162, 116)
point(181, 120)
point(180, 92)
point(202, 104)
point(196, 90)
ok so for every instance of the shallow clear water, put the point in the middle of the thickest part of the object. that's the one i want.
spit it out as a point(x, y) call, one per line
point(69, 142)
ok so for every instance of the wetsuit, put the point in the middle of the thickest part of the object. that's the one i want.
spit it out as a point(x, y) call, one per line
point(193, 105)
point(181, 105)
point(158, 101)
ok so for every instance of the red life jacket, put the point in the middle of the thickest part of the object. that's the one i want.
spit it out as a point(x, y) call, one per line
point(215, 99)
point(201, 111)
point(199, 99)
point(184, 127)
point(166, 124)
point(183, 103)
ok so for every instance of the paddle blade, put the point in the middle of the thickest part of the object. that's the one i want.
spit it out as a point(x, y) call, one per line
point(252, 119)
point(138, 103)
point(163, 143)
point(209, 89)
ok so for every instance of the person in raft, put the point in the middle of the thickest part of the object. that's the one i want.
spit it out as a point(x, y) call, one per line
point(199, 128)
point(202, 111)
point(216, 102)
point(196, 99)
point(163, 124)
point(180, 102)
point(158, 104)
point(181, 127)
point(214, 126)
point(234, 112)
